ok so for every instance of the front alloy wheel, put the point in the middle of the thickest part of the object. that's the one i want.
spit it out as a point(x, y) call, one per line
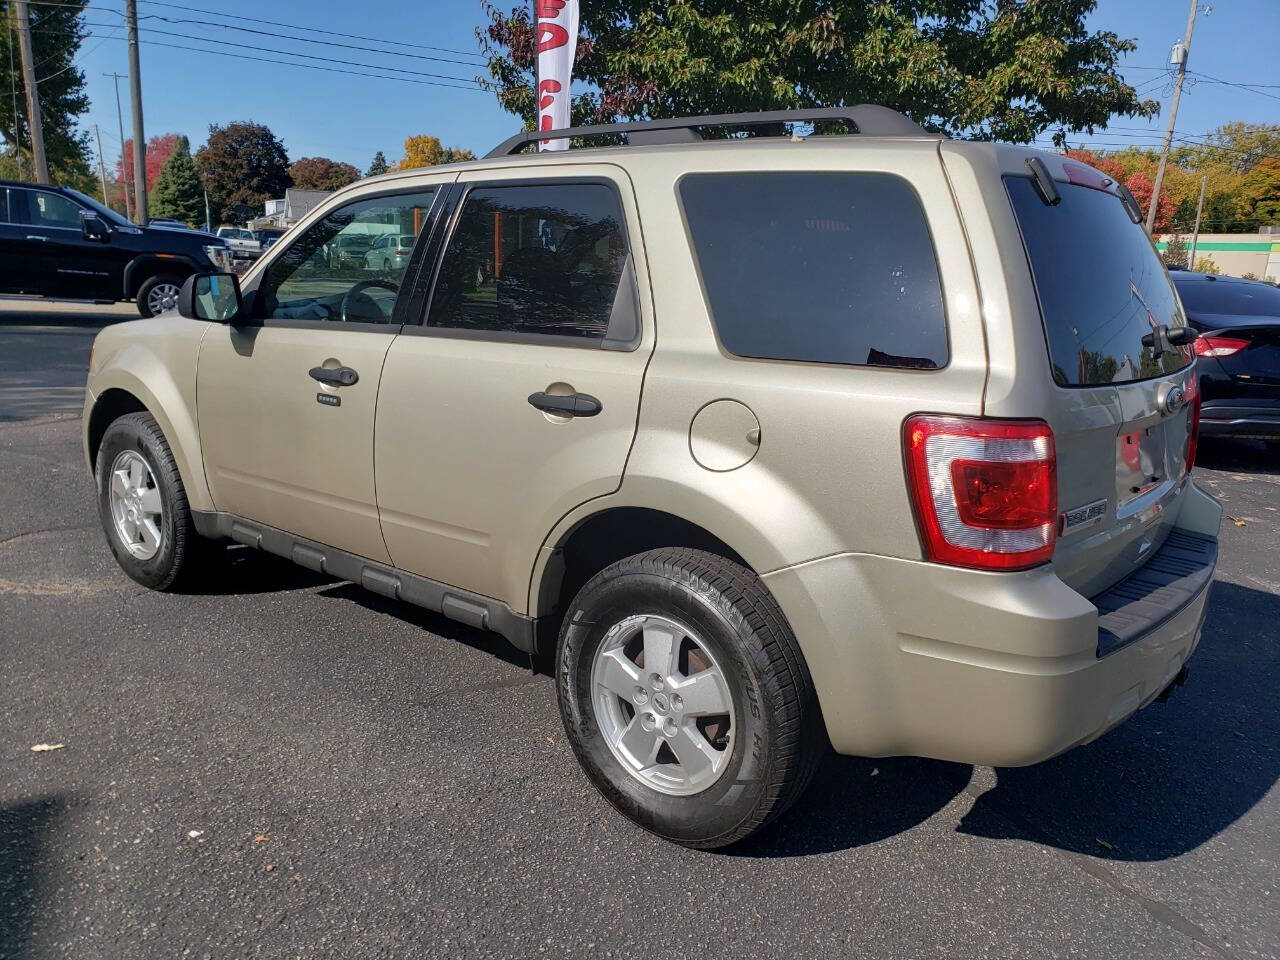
point(136, 506)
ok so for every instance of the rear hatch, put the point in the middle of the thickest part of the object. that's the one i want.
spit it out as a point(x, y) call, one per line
point(1121, 410)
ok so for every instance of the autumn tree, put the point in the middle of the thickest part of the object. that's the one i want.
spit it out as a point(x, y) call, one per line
point(242, 165)
point(59, 30)
point(159, 149)
point(1007, 70)
point(178, 193)
point(378, 167)
point(1137, 178)
point(426, 151)
point(321, 173)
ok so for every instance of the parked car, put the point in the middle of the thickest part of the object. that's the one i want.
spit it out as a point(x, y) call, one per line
point(244, 245)
point(57, 242)
point(1239, 348)
point(349, 250)
point(390, 252)
point(851, 440)
point(266, 237)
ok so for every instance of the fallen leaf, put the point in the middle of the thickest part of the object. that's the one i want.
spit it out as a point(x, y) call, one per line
point(270, 867)
point(46, 747)
point(195, 834)
point(261, 838)
point(1102, 843)
point(1236, 520)
point(297, 877)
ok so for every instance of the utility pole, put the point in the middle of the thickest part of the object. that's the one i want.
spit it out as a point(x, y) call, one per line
point(38, 162)
point(124, 183)
point(102, 171)
point(135, 106)
point(1183, 53)
point(1195, 236)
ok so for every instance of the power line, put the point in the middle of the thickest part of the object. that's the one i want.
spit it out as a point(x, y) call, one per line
point(277, 35)
point(289, 53)
point(1232, 83)
point(307, 66)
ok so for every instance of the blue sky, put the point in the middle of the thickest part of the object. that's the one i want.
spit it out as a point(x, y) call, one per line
point(348, 118)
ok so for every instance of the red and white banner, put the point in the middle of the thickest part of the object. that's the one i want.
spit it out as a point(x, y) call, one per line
point(556, 30)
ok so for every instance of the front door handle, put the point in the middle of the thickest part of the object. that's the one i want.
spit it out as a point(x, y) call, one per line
point(338, 376)
point(35, 236)
point(574, 405)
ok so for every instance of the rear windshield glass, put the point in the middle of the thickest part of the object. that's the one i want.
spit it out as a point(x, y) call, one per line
point(1101, 286)
point(1227, 297)
point(823, 267)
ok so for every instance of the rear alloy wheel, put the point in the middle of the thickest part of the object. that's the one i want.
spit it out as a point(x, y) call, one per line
point(685, 697)
point(158, 294)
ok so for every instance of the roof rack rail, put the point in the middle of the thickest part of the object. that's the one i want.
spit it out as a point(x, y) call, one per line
point(867, 119)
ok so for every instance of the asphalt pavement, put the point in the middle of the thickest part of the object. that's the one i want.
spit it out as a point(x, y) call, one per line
point(283, 766)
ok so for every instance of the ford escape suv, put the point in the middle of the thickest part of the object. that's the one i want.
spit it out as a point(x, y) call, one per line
point(873, 438)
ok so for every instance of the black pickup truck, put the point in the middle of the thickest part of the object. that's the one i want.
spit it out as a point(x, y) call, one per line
point(56, 242)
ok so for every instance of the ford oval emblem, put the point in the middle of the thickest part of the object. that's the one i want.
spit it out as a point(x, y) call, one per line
point(1174, 400)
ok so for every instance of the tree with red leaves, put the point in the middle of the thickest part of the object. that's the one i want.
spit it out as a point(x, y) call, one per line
point(159, 148)
point(1139, 182)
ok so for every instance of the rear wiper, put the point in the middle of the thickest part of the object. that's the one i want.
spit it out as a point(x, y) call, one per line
point(1161, 338)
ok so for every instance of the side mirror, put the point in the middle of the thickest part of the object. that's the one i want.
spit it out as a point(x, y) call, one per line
point(92, 227)
point(212, 296)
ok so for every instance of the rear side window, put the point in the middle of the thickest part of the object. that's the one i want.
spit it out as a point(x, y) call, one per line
point(4, 205)
point(821, 267)
point(1101, 285)
point(542, 259)
point(1230, 298)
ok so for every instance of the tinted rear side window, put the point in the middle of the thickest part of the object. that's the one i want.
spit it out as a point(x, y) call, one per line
point(1101, 286)
point(1229, 297)
point(823, 267)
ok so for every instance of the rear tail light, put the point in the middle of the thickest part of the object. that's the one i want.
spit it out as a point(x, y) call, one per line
point(1218, 346)
point(985, 491)
point(1193, 419)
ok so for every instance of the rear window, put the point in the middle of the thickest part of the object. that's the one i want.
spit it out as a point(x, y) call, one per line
point(1101, 286)
point(821, 267)
point(1228, 297)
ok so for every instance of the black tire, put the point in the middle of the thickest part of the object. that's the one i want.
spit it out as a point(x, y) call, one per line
point(778, 732)
point(150, 284)
point(175, 561)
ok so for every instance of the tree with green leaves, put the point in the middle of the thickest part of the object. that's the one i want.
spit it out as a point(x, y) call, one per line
point(989, 69)
point(242, 165)
point(56, 35)
point(178, 192)
point(378, 167)
point(321, 173)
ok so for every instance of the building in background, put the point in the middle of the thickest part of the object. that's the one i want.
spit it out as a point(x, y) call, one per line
point(1236, 254)
point(283, 213)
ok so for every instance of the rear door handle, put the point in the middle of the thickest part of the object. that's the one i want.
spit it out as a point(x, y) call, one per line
point(34, 236)
point(338, 376)
point(574, 405)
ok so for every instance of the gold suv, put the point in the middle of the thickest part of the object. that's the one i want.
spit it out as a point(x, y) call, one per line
point(870, 438)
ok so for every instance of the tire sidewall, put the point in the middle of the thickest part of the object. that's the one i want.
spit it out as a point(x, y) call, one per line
point(736, 795)
point(145, 289)
point(127, 434)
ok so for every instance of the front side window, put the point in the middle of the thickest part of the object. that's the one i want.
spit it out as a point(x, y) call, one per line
point(328, 272)
point(52, 210)
point(542, 259)
point(819, 267)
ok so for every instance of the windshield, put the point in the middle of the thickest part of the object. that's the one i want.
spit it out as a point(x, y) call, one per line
point(1228, 297)
point(1102, 287)
point(102, 211)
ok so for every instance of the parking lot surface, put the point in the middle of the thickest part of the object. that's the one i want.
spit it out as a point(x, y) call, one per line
point(282, 765)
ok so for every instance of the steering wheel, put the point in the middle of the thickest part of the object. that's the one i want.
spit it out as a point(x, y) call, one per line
point(359, 289)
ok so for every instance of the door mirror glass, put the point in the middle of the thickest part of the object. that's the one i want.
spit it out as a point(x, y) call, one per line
point(212, 296)
point(92, 227)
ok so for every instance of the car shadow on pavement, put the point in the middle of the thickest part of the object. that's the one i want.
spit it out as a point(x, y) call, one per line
point(1158, 786)
point(240, 569)
point(25, 829)
point(1236, 455)
point(436, 623)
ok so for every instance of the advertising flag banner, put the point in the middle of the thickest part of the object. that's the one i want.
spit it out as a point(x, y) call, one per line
point(557, 36)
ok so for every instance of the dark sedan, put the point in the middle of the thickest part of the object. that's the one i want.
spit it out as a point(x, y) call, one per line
point(1238, 322)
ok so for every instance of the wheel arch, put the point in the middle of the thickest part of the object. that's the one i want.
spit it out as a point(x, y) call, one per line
point(140, 269)
point(145, 385)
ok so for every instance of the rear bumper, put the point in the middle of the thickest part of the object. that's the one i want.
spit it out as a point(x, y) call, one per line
point(1227, 419)
point(1000, 669)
